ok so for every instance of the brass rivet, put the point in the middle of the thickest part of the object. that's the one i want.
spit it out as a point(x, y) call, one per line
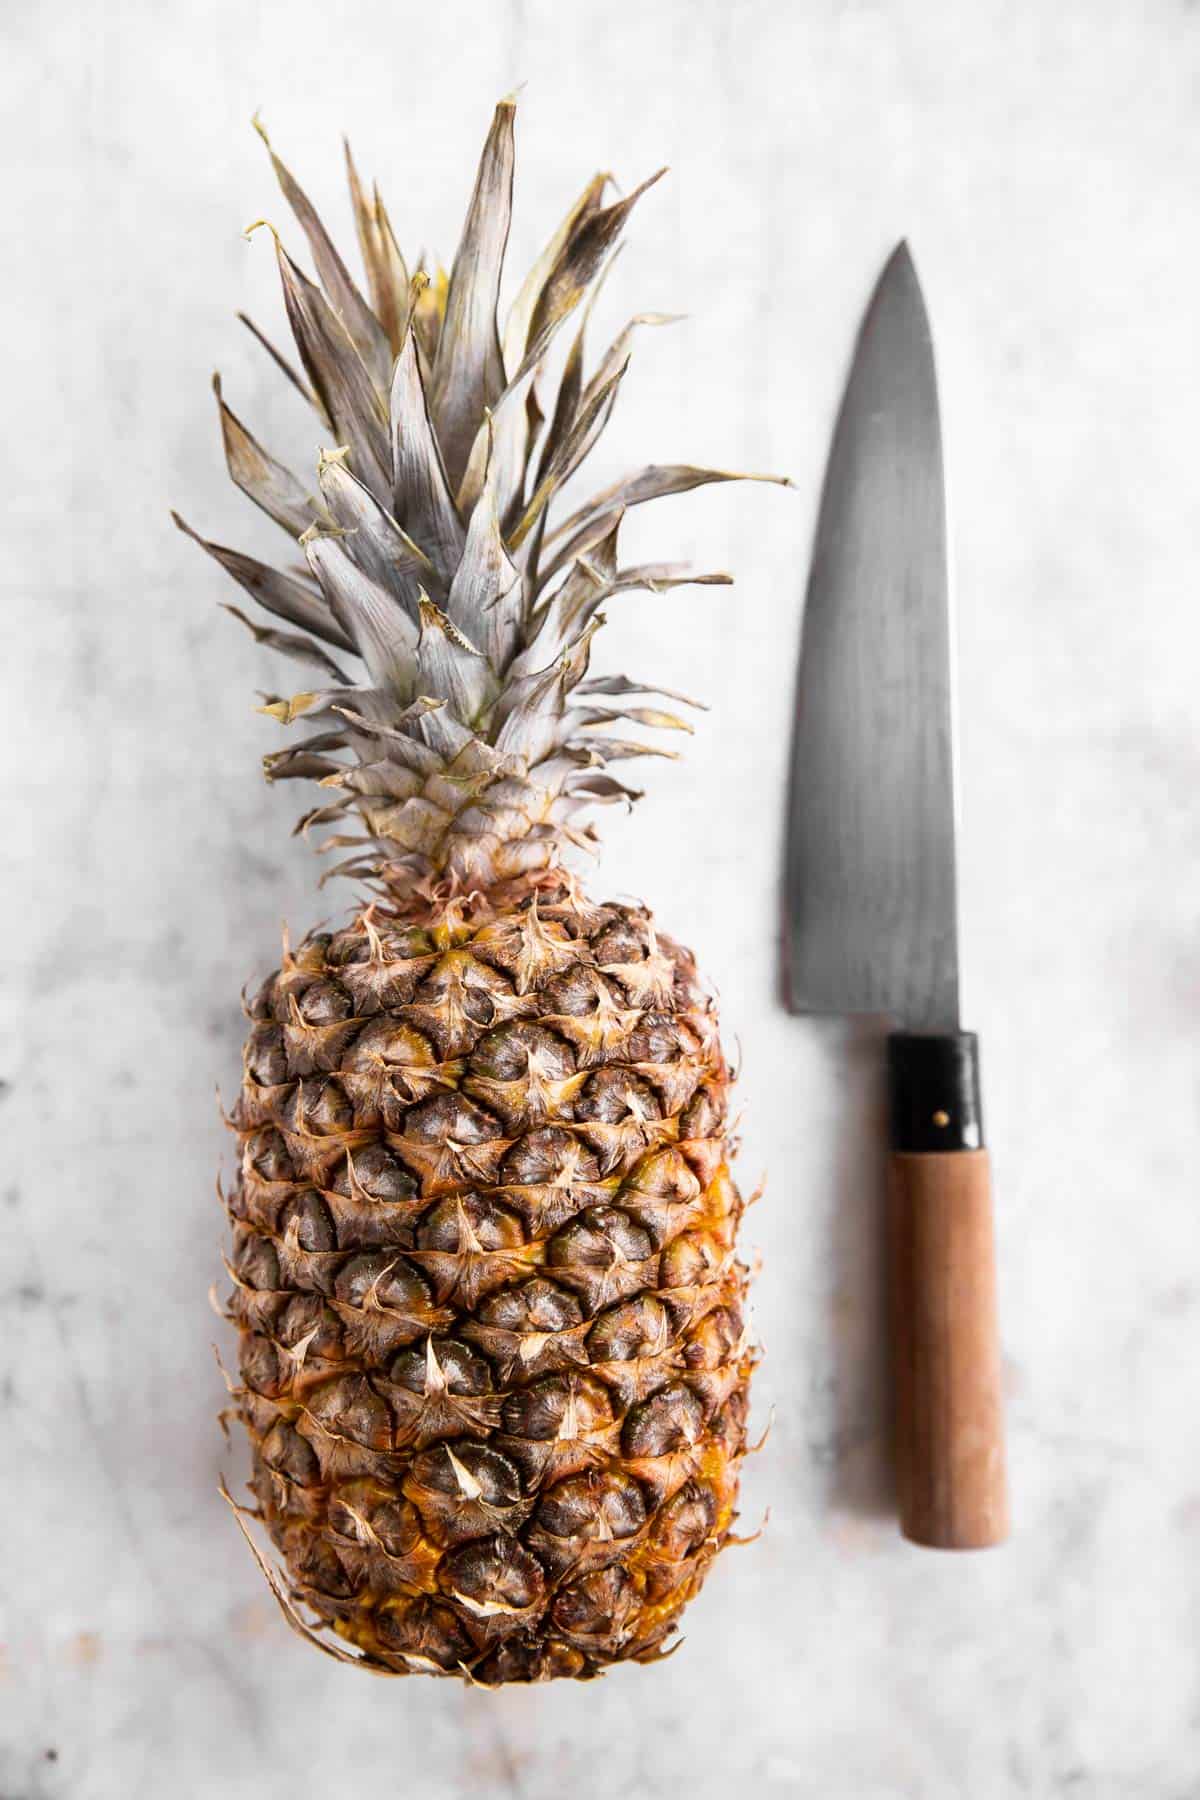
point(941, 1119)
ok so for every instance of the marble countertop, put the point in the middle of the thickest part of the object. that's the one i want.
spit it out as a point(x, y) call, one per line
point(1044, 163)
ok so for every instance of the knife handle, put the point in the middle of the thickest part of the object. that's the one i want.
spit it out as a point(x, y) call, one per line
point(945, 1340)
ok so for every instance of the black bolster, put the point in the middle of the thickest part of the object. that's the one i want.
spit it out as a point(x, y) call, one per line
point(934, 1084)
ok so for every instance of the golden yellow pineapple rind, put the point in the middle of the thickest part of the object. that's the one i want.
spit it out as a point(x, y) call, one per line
point(494, 1363)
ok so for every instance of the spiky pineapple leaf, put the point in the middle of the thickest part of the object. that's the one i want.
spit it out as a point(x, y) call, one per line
point(450, 664)
point(593, 415)
point(363, 328)
point(383, 632)
point(520, 316)
point(338, 374)
point(272, 487)
point(423, 503)
point(279, 594)
point(386, 271)
point(288, 643)
point(468, 373)
point(486, 596)
point(373, 539)
point(654, 482)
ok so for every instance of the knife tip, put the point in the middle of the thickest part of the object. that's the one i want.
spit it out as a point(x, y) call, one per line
point(899, 275)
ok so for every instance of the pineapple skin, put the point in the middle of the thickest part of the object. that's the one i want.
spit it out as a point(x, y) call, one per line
point(494, 1367)
point(493, 1361)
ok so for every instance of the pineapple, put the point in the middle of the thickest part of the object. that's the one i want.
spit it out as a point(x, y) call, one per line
point(494, 1363)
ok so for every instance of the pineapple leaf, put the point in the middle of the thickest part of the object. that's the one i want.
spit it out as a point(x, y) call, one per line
point(288, 643)
point(280, 594)
point(451, 665)
point(486, 597)
point(652, 483)
point(337, 372)
point(621, 684)
point(570, 387)
point(579, 261)
point(572, 275)
point(421, 492)
point(516, 330)
point(373, 539)
point(385, 635)
point(468, 373)
point(364, 329)
point(594, 412)
point(387, 275)
point(271, 486)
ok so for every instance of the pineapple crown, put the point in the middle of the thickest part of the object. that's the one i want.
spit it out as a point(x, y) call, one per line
point(476, 734)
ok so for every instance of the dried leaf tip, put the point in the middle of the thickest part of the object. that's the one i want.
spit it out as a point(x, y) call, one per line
point(259, 225)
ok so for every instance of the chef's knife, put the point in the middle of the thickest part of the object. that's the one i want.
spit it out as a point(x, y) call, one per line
point(871, 906)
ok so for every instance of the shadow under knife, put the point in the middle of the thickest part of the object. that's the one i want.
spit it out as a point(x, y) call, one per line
point(862, 1478)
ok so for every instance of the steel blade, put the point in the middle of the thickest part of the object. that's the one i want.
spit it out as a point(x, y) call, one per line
point(871, 908)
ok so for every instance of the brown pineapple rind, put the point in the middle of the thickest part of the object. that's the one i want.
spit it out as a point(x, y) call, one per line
point(494, 1365)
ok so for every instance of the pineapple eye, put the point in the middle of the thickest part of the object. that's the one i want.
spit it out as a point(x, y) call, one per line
point(599, 1606)
point(461, 1369)
point(349, 1407)
point(265, 1000)
point(267, 1154)
point(324, 1003)
point(495, 1577)
point(614, 1095)
point(381, 1280)
point(578, 992)
point(591, 1506)
point(322, 1108)
point(464, 1491)
point(536, 1306)
point(510, 1051)
point(261, 1367)
point(377, 1173)
point(598, 1238)
point(540, 1412)
point(544, 1155)
point(319, 1566)
point(254, 1260)
point(640, 1328)
point(425, 1628)
point(657, 1039)
point(704, 1115)
point(672, 1420)
point(265, 1057)
point(308, 1214)
point(285, 1451)
point(464, 1222)
point(306, 1316)
point(687, 1520)
point(627, 941)
point(451, 1116)
point(690, 1259)
point(711, 1343)
point(362, 1511)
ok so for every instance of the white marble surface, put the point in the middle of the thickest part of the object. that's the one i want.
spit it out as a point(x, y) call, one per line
point(1045, 162)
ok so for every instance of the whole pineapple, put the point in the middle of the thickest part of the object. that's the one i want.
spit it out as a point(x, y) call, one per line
point(494, 1362)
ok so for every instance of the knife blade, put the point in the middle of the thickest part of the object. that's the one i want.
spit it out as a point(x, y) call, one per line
point(871, 921)
point(872, 924)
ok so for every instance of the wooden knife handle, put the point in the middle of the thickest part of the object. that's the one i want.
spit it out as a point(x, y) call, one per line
point(945, 1339)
